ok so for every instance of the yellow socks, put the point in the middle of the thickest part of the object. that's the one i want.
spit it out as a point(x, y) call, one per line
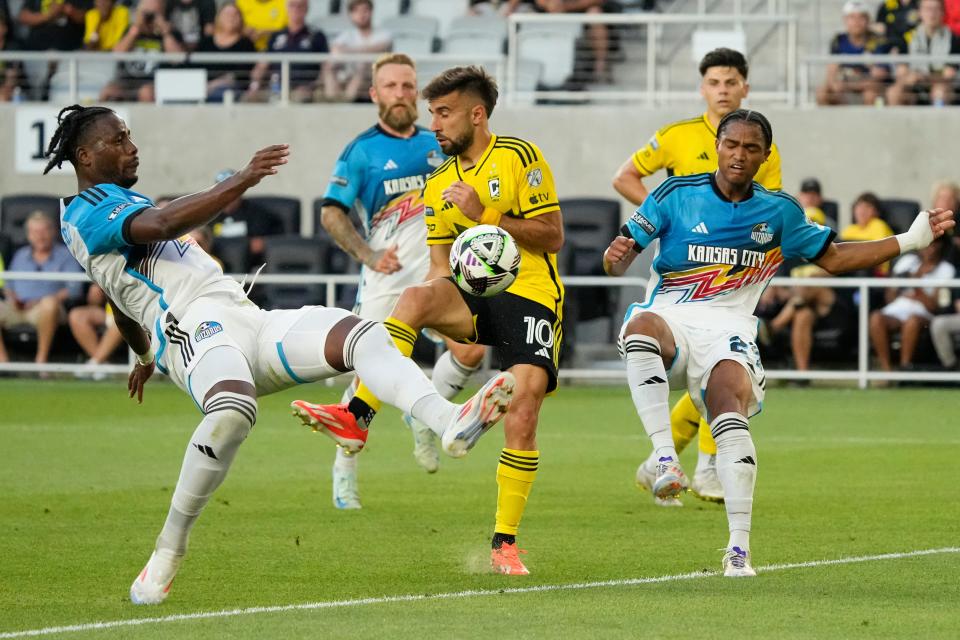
point(684, 419)
point(515, 475)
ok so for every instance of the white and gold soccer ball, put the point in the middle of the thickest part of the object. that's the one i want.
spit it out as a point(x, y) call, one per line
point(484, 260)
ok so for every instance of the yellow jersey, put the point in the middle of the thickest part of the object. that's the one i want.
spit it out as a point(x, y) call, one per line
point(103, 34)
point(512, 177)
point(263, 15)
point(690, 146)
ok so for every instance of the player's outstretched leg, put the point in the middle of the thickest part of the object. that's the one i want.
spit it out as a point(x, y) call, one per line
point(396, 380)
point(346, 490)
point(647, 377)
point(225, 391)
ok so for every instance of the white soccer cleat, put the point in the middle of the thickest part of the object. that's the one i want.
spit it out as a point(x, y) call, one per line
point(475, 417)
point(153, 584)
point(671, 481)
point(645, 478)
point(736, 563)
point(706, 483)
point(425, 450)
point(346, 496)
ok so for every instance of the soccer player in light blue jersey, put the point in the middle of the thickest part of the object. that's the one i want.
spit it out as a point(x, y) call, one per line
point(722, 237)
point(179, 313)
point(381, 173)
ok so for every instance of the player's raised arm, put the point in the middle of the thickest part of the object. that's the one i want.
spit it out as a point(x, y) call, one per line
point(629, 183)
point(850, 256)
point(196, 210)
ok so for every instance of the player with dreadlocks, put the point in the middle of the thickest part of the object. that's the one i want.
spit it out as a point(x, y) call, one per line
point(722, 237)
point(180, 314)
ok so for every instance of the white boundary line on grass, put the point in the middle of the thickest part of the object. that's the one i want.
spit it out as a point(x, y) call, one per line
point(359, 602)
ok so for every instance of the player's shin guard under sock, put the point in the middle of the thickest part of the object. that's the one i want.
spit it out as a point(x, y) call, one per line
point(395, 378)
point(209, 455)
point(367, 402)
point(647, 378)
point(345, 460)
point(737, 468)
point(684, 421)
point(450, 375)
point(515, 475)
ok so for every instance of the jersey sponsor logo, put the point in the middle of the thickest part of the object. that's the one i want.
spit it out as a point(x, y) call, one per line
point(434, 159)
point(700, 228)
point(428, 211)
point(390, 166)
point(207, 329)
point(762, 233)
point(708, 282)
point(117, 209)
point(534, 177)
point(645, 224)
point(493, 185)
point(393, 186)
point(703, 254)
point(340, 181)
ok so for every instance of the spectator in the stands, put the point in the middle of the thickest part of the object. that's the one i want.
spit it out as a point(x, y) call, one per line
point(868, 225)
point(203, 236)
point(243, 218)
point(846, 82)
point(942, 329)
point(910, 309)
point(261, 19)
point(106, 23)
point(193, 19)
point(39, 303)
point(922, 82)
point(223, 77)
point(599, 34)
point(351, 82)
point(811, 199)
point(952, 15)
point(895, 18)
point(11, 71)
point(94, 329)
point(297, 37)
point(54, 24)
point(150, 31)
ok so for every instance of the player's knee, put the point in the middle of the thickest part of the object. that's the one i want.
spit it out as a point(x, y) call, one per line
point(234, 415)
point(415, 303)
point(644, 324)
point(468, 355)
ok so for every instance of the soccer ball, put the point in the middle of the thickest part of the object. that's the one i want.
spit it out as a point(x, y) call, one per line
point(484, 260)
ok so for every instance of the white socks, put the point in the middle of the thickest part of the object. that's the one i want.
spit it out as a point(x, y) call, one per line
point(737, 468)
point(450, 375)
point(650, 391)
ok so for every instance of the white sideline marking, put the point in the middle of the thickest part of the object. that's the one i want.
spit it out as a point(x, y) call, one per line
point(359, 602)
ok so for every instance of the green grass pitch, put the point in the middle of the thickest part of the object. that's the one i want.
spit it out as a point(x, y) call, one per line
point(86, 478)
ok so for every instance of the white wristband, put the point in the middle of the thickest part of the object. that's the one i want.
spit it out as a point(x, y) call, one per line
point(145, 359)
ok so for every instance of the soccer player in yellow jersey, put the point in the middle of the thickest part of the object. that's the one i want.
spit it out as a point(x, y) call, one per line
point(685, 148)
point(507, 182)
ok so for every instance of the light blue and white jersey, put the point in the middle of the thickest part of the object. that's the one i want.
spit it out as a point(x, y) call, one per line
point(143, 281)
point(715, 254)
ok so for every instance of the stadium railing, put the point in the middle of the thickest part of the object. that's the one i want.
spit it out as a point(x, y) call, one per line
point(812, 67)
point(862, 375)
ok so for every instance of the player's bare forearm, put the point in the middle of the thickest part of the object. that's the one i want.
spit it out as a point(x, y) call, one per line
point(336, 222)
point(541, 233)
point(842, 257)
point(189, 212)
point(629, 183)
point(133, 334)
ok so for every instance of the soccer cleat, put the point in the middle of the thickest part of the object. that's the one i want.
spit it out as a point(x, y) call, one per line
point(345, 493)
point(425, 450)
point(706, 483)
point(153, 584)
point(335, 420)
point(506, 560)
point(670, 480)
point(475, 417)
point(645, 479)
point(736, 563)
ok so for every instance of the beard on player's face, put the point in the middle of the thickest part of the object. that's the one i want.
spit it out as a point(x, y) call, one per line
point(459, 144)
point(399, 115)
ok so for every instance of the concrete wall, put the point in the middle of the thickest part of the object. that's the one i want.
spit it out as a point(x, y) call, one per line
point(894, 152)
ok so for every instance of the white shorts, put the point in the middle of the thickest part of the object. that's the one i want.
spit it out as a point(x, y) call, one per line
point(902, 308)
point(376, 308)
point(282, 348)
point(700, 346)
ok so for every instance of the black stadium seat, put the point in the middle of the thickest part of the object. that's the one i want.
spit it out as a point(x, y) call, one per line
point(14, 211)
point(234, 253)
point(297, 255)
point(831, 210)
point(899, 214)
point(286, 211)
